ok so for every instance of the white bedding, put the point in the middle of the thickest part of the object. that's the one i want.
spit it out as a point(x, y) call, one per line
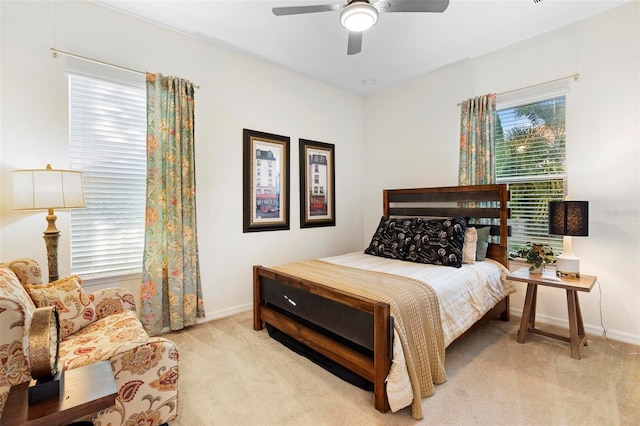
point(465, 295)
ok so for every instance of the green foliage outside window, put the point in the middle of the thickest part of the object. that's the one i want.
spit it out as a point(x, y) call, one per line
point(530, 156)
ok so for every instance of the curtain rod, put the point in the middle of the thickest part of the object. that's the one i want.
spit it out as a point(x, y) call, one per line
point(574, 76)
point(56, 52)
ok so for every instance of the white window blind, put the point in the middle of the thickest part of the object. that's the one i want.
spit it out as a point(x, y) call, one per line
point(530, 157)
point(107, 126)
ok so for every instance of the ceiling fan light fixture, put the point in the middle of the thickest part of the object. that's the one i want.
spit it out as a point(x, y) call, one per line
point(359, 16)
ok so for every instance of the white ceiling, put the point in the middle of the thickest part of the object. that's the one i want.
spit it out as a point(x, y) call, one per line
point(400, 47)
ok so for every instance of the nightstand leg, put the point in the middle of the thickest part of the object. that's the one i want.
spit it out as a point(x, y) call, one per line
point(581, 332)
point(576, 328)
point(528, 312)
point(534, 307)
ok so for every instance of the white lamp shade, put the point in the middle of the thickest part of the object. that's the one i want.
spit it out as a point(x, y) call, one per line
point(43, 189)
point(359, 16)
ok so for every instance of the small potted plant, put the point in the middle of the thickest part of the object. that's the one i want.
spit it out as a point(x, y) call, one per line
point(536, 255)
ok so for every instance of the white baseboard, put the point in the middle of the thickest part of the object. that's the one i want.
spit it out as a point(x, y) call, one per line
point(544, 319)
point(589, 329)
point(217, 315)
point(226, 312)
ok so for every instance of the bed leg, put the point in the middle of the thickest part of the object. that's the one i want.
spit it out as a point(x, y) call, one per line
point(257, 300)
point(506, 314)
point(381, 355)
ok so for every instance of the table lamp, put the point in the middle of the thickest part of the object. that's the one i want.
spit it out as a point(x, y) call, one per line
point(570, 219)
point(48, 189)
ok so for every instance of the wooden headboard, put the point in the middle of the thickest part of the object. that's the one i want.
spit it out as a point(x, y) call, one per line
point(474, 202)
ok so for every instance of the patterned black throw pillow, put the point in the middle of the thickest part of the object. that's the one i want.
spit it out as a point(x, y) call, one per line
point(438, 242)
point(392, 238)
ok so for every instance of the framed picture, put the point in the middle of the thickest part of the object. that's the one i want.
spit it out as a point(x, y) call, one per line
point(265, 181)
point(317, 184)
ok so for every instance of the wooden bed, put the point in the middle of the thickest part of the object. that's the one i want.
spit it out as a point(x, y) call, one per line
point(363, 343)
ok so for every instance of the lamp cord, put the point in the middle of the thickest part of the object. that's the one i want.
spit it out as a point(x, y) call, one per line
point(604, 329)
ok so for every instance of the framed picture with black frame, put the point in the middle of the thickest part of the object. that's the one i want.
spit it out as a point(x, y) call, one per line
point(317, 184)
point(265, 181)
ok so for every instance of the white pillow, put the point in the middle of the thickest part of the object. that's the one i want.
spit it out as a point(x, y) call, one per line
point(469, 247)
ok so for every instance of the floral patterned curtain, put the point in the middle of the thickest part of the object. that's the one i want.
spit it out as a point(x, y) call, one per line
point(171, 294)
point(477, 143)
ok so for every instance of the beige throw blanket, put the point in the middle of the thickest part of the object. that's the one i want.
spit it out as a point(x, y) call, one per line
point(414, 306)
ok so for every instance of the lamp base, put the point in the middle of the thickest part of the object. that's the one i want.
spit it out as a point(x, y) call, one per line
point(42, 389)
point(51, 236)
point(567, 267)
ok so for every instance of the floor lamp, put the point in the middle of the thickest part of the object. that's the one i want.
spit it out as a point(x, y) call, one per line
point(48, 189)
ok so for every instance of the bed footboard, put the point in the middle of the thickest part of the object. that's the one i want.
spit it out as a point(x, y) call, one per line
point(363, 344)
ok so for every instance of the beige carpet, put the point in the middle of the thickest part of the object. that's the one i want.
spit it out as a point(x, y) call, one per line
point(232, 375)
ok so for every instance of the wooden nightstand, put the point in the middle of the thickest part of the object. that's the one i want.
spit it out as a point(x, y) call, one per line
point(577, 338)
point(86, 390)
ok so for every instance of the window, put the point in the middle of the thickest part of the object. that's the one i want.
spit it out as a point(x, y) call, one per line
point(530, 157)
point(107, 132)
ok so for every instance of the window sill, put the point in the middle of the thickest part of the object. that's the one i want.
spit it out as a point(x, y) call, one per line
point(518, 263)
point(109, 279)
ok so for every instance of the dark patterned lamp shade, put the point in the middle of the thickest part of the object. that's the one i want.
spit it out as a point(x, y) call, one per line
point(569, 218)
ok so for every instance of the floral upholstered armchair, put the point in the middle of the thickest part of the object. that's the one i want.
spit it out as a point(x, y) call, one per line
point(93, 327)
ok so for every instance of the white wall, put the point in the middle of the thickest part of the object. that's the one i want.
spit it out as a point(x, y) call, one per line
point(235, 92)
point(411, 134)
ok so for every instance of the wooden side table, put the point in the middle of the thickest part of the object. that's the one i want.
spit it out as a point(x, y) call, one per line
point(585, 283)
point(86, 390)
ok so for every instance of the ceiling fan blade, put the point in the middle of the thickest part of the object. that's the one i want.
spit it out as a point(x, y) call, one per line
point(297, 10)
point(355, 43)
point(437, 6)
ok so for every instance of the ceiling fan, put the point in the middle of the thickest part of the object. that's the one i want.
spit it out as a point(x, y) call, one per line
point(358, 16)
